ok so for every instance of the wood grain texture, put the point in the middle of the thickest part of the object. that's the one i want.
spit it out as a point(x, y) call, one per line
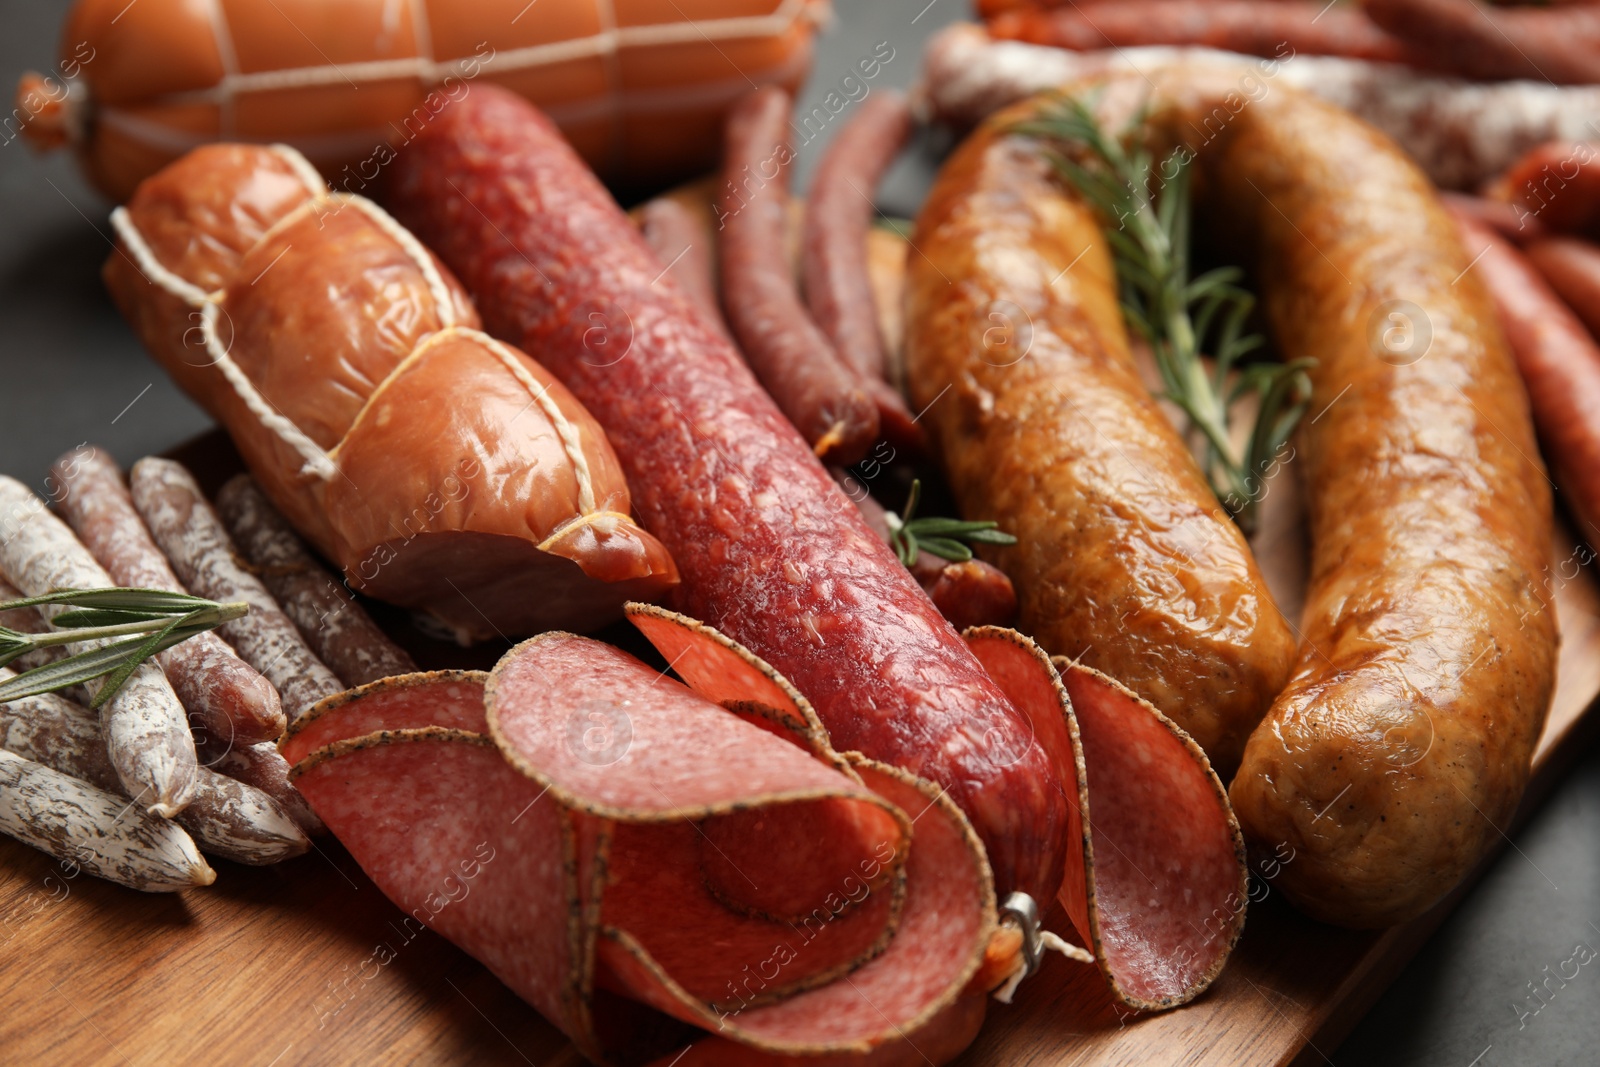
point(307, 963)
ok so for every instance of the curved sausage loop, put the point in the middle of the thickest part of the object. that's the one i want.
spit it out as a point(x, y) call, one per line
point(601, 837)
point(1156, 878)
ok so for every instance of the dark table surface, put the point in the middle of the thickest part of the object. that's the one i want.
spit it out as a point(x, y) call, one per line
point(70, 372)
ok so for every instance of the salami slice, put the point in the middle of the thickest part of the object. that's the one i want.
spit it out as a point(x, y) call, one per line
point(639, 862)
point(770, 550)
point(1156, 878)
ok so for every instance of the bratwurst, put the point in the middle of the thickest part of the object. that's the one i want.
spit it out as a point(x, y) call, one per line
point(1427, 661)
point(1124, 558)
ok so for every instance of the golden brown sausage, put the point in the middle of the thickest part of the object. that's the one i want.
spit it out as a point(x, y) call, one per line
point(1405, 735)
point(438, 468)
point(641, 89)
point(1125, 560)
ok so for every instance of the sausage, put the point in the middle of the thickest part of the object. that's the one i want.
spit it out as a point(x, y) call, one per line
point(1125, 560)
point(1572, 267)
point(224, 696)
point(1251, 27)
point(263, 767)
point(974, 593)
point(98, 831)
point(1560, 364)
point(202, 554)
point(686, 251)
point(336, 628)
point(434, 466)
point(967, 75)
point(771, 550)
point(1404, 738)
point(838, 287)
point(146, 730)
point(640, 91)
point(1557, 184)
point(838, 216)
point(1487, 42)
point(27, 621)
point(228, 818)
point(825, 401)
point(1511, 221)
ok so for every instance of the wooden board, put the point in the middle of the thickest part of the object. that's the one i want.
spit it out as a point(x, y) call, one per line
point(307, 963)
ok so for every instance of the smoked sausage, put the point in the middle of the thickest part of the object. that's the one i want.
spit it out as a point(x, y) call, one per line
point(437, 468)
point(1124, 558)
point(1559, 361)
point(640, 88)
point(771, 550)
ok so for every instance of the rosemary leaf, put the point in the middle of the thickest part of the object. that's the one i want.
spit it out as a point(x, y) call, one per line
point(1180, 316)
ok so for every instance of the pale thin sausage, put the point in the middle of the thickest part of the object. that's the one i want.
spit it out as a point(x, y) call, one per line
point(204, 558)
point(147, 732)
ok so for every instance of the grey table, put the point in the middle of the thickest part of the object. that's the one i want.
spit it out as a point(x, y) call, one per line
point(70, 372)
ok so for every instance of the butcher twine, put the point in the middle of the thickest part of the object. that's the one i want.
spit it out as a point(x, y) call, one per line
point(318, 462)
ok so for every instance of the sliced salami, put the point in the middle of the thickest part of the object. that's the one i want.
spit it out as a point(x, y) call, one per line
point(593, 828)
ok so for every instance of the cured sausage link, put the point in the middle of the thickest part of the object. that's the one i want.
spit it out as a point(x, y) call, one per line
point(203, 555)
point(1559, 361)
point(1404, 739)
point(772, 552)
point(147, 732)
point(799, 367)
point(839, 211)
point(224, 696)
point(338, 630)
point(228, 818)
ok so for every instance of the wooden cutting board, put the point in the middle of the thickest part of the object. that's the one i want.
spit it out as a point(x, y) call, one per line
point(307, 963)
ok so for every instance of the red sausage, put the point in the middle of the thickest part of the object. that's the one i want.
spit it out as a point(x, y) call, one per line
point(1485, 42)
point(838, 285)
point(1557, 184)
point(839, 211)
point(1253, 27)
point(1559, 362)
point(822, 397)
point(1511, 221)
point(771, 551)
point(679, 242)
point(1572, 267)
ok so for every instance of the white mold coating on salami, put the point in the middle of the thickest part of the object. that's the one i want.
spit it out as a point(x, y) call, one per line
point(337, 628)
point(223, 695)
point(147, 732)
point(203, 556)
point(228, 818)
point(99, 831)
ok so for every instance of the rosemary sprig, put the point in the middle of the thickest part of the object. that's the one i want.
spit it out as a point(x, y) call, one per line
point(158, 620)
point(1179, 316)
point(946, 538)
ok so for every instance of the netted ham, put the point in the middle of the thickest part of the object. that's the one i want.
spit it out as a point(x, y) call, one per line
point(437, 467)
point(641, 88)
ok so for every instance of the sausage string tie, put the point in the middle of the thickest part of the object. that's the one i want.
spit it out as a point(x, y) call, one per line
point(318, 462)
point(1020, 909)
